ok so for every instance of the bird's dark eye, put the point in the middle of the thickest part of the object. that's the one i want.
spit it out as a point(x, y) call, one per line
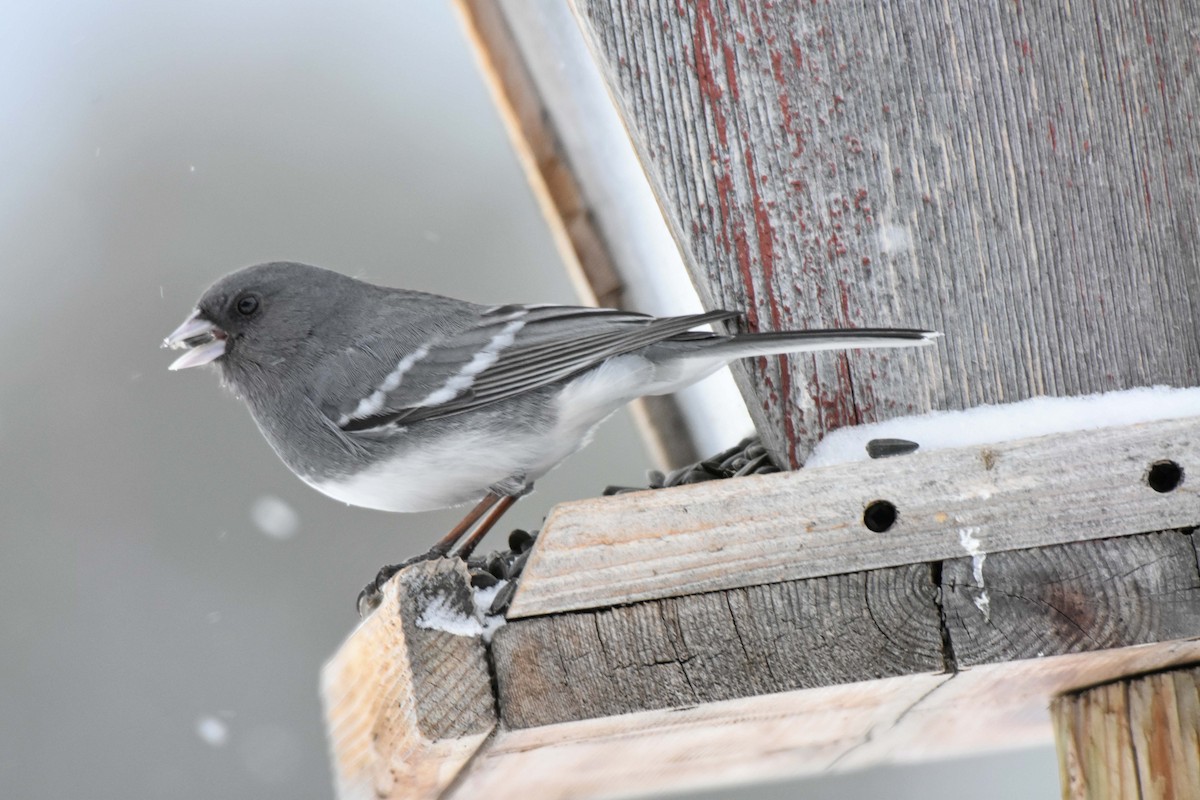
point(247, 305)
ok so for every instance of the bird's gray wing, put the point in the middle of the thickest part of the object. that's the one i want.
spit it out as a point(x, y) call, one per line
point(505, 352)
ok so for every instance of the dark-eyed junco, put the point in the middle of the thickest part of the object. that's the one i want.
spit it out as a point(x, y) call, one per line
point(406, 401)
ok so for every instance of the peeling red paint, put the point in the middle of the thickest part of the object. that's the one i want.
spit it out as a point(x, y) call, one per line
point(797, 53)
point(1053, 138)
point(705, 27)
point(835, 408)
point(844, 297)
point(724, 190)
point(731, 72)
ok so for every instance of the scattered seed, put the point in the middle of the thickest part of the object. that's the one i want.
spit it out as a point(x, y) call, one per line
point(886, 448)
point(483, 580)
point(519, 541)
point(503, 598)
point(497, 565)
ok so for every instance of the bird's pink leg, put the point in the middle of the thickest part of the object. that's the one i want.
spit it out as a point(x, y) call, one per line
point(468, 547)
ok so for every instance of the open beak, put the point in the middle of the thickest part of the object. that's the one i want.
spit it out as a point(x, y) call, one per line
point(204, 340)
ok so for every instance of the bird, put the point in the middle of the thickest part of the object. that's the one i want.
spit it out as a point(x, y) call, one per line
point(408, 401)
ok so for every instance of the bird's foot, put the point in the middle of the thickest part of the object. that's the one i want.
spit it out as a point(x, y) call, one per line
point(372, 594)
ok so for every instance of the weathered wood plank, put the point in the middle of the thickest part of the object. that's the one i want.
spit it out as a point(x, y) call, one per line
point(1133, 739)
point(1164, 718)
point(704, 648)
point(675, 652)
point(589, 232)
point(1072, 597)
point(406, 707)
point(905, 719)
point(749, 531)
point(1020, 176)
point(539, 147)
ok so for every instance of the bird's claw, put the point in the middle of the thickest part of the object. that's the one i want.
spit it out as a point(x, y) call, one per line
point(372, 594)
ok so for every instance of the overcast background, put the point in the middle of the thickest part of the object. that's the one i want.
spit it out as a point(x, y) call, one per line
point(168, 591)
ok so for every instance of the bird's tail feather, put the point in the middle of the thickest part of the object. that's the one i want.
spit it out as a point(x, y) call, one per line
point(747, 345)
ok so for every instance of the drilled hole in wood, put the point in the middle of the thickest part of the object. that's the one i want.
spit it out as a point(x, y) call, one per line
point(879, 516)
point(1164, 476)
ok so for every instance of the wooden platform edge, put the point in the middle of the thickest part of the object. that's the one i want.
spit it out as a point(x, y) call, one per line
point(406, 705)
point(813, 632)
point(809, 523)
point(914, 718)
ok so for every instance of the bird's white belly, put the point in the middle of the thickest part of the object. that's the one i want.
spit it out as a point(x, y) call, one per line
point(454, 470)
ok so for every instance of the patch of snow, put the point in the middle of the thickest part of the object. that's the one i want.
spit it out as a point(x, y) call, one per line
point(1037, 416)
point(483, 601)
point(212, 731)
point(274, 517)
point(974, 548)
point(442, 614)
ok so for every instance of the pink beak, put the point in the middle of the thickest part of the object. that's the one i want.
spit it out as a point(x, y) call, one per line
point(210, 347)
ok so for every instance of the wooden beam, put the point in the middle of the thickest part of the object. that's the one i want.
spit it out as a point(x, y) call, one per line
point(575, 211)
point(1137, 738)
point(720, 645)
point(1069, 598)
point(1020, 176)
point(952, 503)
point(539, 148)
point(406, 706)
point(680, 651)
point(917, 718)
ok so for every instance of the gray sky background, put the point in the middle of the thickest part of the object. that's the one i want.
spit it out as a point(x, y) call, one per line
point(147, 148)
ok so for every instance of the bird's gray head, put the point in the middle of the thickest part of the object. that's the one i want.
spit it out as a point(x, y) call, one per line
point(264, 316)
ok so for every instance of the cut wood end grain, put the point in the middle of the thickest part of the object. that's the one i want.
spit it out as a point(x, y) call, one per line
point(1137, 737)
point(405, 706)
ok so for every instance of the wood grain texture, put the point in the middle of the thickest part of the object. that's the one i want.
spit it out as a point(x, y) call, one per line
point(539, 146)
point(915, 718)
point(766, 529)
point(1072, 597)
point(575, 209)
point(1133, 739)
point(1020, 176)
point(704, 648)
point(405, 706)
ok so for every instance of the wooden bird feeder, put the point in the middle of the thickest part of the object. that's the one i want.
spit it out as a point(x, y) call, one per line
point(1020, 176)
